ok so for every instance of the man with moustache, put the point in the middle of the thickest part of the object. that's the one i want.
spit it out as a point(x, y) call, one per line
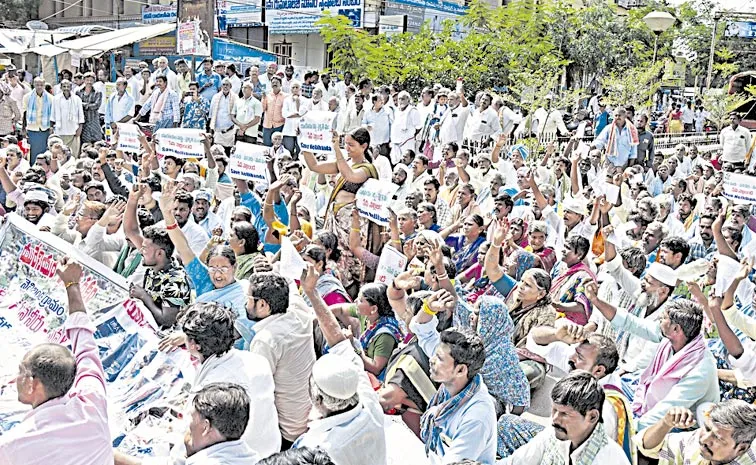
point(726, 437)
point(577, 434)
point(703, 246)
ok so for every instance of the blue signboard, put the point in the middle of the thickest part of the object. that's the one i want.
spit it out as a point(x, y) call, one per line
point(299, 16)
point(226, 50)
point(743, 29)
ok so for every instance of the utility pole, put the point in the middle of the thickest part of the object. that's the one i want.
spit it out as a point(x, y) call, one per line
point(717, 16)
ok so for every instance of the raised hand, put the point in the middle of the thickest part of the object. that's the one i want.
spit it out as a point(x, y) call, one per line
point(168, 196)
point(679, 417)
point(72, 204)
point(407, 280)
point(69, 271)
point(591, 291)
point(501, 231)
point(569, 332)
point(172, 341)
point(440, 301)
point(114, 211)
point(309, 279)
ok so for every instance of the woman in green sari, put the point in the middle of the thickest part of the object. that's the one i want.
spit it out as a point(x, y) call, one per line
point(245, 241)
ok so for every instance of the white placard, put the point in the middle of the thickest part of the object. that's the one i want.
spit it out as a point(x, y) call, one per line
point(580, 132)
point(727, 268)
point(374, 199)
point(292, 264)
point(180, 143)
point(392, 263)
point(739, 187)
point(316, 131)
point(583, 150)
point(128, 138)
point(248, 162)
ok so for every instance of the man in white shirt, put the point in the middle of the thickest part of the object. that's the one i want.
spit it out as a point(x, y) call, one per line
point(577, 434)
point(736, 141)
point(163, 70)
point(294, 107)
point(221, 121)
point(688, 117)
point(195, 235)
point(329, 88)
point(407, 124)
point(247, 114)
point(483, 123)
point(550, 122)
point(67, 118)
point(349, 421)
point(451, 127)
point(377, 120)
point(269, 73)
point(120, 106)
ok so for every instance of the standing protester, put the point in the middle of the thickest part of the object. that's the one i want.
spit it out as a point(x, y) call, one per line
point(91, 100)
point(67, 117)
point(37, 109)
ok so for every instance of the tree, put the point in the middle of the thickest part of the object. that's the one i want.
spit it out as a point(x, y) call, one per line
point(15, 13)
point(719, 103)
point(634, 86)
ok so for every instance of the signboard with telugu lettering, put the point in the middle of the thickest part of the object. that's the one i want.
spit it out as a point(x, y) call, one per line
point(128, 138)
point(392, 263)
point(248, 162)
point(299, 16)
point(740, 187)
point(316, 131)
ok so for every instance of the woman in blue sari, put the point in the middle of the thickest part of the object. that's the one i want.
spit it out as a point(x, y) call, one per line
point(214, 281)
point(465, 245)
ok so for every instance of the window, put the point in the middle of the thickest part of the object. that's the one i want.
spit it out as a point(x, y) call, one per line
point(283, 53)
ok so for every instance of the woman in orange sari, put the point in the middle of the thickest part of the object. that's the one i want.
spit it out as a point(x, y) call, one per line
point(352, 174)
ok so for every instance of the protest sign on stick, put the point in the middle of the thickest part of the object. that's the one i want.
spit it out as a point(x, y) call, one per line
point(373, 200)
point(180, 143)
point(392, 263)
point(316, 131)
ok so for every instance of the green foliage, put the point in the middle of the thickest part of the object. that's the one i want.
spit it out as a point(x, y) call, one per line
point(536, 46)
point(720, 104)
point(15, 13)
point(634, 86)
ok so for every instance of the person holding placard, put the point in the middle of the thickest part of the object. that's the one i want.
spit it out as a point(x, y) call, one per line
point(341, 202)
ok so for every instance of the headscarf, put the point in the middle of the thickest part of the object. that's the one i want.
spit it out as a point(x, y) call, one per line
point(404, 188)
point(501, 370)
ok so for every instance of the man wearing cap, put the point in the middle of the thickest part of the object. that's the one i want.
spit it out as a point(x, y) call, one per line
point(202, 214)
point(221, 122)
point(67, 117)
point(682, 372)
point(37, 209)
point(348, 418)
point(209, 81)
point(120, 106)
point(247, 114)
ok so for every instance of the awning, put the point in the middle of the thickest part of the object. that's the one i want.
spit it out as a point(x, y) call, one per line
point(87, 47)
point(237, 52)
point(85, 30)
point(17, 41)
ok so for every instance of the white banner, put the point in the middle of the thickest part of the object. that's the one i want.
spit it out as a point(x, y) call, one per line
point(740, 188)
point(248, 162)
point(374, 199)
point(128, 138)
point(180, 143)
point(392, 263)
point(316, 131)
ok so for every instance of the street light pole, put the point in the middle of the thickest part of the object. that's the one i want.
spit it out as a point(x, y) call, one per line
point(711, 49)
point(658, 22)
point(656, 44)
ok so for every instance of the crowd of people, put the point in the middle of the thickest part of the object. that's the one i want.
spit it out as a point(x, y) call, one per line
point(623, 270)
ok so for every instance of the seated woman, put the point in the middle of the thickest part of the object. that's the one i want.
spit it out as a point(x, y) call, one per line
point(466, 244)
point(244, 241)
point(328, 286)
point(527, 301)
point(537, 245)
point(380, 332)
point(214, 281)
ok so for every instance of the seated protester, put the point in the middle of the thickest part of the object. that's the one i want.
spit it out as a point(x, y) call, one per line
point(379, 331)
point(189, 182)
point(202, 214)
point(431, 189)
point(149, 191)
point(220, 413)
point(703, 244)
point(299, 456)
point(575, 221)
point(214, 281)
point(402, 177)
point(105, 236)
point(207, 331)
point(245, 242)
point(741, 214)
point(222, 162)
point(537, 235)
point(407, 219)
point(89, 214)
point(464, 205)
point(683, 372)
point(407, 387)
point(254, 204)
point(569, 348)
point(686, 206)
point(528, 302)
point(427, 217)
point(673, 252)
point(612, 291)
point(460, 421)
point(181, 210)
point(348, 419)
point(726, 436)
point(329, 287)
point(129, 263)
point(308, 196)
point(283, 336)
point(665, 204)
point(501, 372)
point(503, 205)
point(465, 245)
point(569, 278)
point(36, 209)
point(577, 434)
point(68, 423)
